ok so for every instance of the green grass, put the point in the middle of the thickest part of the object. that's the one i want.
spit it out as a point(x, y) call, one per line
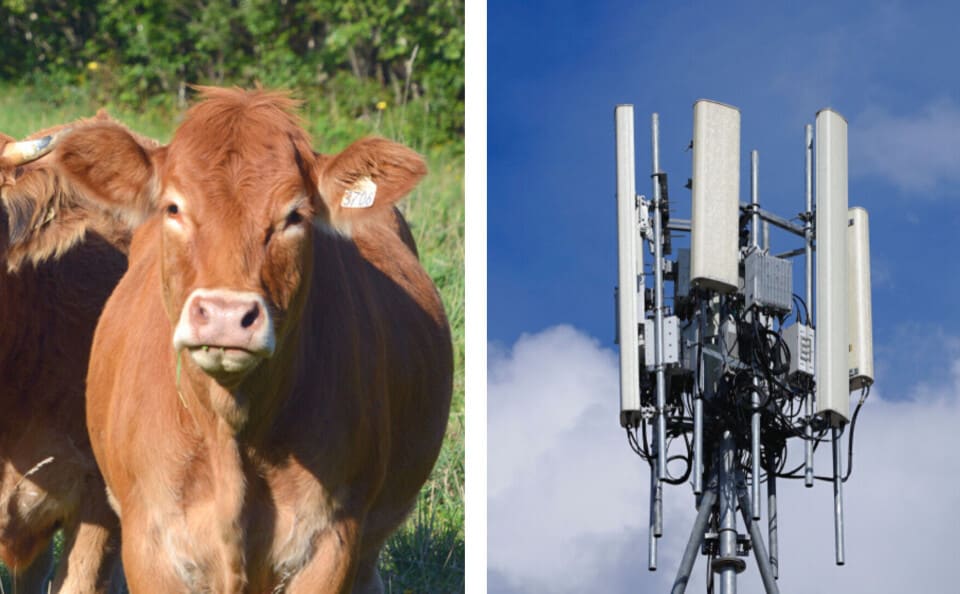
point(427, 554)
point(24, 110)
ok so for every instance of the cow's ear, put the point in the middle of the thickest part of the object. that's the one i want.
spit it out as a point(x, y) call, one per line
point(98, 177)
point(368, 177)
point(106, 164)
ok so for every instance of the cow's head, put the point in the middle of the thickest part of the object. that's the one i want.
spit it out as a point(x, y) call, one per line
point(43, 217)
point(241, 194)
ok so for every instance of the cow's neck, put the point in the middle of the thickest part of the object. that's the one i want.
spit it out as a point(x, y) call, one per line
point(248, 410)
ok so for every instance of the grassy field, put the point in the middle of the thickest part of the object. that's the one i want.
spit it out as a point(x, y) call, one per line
point(427, 554)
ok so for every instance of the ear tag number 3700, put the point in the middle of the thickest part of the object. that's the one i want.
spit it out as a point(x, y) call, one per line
point(360, 195)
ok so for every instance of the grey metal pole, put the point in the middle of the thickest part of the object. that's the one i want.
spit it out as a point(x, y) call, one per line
point(658, 303)
point(808, 224)
point(759, 551)
point(772, 519)
point(808, 256)
point(755, 396)
point(838, 495)
point(697, 533)
point(699, 387)
point(698, 444)
point(778, 221)
point(727, 563)
point(754, 198)
point(655, 520)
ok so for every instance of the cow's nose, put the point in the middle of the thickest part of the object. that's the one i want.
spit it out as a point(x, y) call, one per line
point(224, 320)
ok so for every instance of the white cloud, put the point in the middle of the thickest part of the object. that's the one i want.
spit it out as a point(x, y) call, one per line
point(569, 501)
point(917, 152)
point(565, 493)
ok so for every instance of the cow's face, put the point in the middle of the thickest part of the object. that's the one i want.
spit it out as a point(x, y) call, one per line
point(235, 243)
point(241, 195)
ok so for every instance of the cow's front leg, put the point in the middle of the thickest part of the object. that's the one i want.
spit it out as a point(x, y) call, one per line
point(368, 576)
point(91, 552)
point(333, 567)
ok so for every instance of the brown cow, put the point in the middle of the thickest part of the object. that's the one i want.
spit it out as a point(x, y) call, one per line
point(53, 286)
point(270, 381)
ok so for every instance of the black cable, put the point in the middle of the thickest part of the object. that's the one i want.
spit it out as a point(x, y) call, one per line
point(765, 355)
point(853, 424)
point(806, 312)
point(641, 450)
point(689, 463)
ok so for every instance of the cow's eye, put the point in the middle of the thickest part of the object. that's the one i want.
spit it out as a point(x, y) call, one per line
point(294, 218)
point(172, 209)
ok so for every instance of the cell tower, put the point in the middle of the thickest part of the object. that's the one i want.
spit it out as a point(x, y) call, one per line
point(720, 381)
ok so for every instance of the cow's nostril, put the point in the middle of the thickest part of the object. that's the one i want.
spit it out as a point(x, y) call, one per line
point(199, 313)
point(251, 316)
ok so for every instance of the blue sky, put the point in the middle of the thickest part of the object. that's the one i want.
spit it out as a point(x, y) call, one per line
point(555, 72)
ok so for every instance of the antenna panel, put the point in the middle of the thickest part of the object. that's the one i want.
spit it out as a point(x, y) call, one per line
point(861, 308)
point(714, 244)
point(833, 394)
point(630, 305)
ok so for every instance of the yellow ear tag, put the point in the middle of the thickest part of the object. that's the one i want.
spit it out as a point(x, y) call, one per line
point(360, 195)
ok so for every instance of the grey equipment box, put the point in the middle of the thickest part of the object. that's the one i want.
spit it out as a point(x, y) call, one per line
point(768, 282)
point(801, 341)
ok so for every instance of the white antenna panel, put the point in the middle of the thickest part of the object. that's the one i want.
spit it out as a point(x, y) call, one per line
point(714, 244)
point(630, 301)
point(833, 393)
point(861, 308)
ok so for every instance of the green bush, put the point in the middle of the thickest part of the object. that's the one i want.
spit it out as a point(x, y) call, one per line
point(353, 59)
